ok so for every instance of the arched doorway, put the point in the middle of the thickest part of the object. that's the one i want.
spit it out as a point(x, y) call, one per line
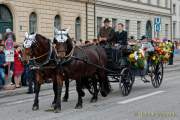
point(6, 18)
point(149, 29)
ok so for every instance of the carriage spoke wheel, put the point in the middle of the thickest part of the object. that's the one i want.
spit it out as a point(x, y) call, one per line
point(91, 88)
point(126, 81)
point(157, 75)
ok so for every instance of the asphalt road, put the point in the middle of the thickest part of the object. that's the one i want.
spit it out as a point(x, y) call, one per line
point(144, 103)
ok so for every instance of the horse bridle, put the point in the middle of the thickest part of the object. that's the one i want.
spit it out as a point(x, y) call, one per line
point(49, 53)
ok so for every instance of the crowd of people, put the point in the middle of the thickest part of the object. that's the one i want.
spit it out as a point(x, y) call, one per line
point(21, 73)
point(13, 74)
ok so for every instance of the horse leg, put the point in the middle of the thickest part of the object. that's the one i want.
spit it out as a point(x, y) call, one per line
point(36, 100)
point(57, 107)
point(66, 96)
point(95, 94)
point(55, 93)
point(104, 84)
point(79, 91)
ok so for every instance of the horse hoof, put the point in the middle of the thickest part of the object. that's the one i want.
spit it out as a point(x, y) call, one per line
point(58, 110)
point(78, 106)
point(93, 100)
point(103, 93)
point(82, 93)
point(52, 105)
point(65, 99)
point(35, 108)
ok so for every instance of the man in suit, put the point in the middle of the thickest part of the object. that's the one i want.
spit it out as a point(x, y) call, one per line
point(106, 33)
point(121, 44)
point(121, 35)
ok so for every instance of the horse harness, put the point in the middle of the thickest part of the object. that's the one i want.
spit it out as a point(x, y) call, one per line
point(37, 65)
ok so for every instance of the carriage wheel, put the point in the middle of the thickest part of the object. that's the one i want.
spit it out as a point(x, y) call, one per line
point(126, 81)
point(157, 75)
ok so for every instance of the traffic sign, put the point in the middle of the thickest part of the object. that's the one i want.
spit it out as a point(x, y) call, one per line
point(157, 24)
point(9, 44)
point(9, 50)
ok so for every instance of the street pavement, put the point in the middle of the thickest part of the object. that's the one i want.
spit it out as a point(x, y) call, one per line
point(143, 103)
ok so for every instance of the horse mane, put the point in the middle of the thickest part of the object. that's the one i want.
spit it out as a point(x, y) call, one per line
point(39, 35)
point(69, 44)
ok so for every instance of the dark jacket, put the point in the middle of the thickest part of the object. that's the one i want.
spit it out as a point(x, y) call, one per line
point(121, 38)
point(2, 58)
point(108, 33)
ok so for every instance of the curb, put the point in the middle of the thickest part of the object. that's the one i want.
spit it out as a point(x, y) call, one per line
point(23, 90)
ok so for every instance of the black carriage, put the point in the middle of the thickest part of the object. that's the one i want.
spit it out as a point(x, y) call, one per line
point(120, 69)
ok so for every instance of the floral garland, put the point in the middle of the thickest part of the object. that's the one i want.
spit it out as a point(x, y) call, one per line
point(138, 56)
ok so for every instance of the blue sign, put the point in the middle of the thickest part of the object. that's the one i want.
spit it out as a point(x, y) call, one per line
point(157, 24)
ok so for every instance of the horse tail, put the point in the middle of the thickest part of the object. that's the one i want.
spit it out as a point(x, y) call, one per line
point(103, 79)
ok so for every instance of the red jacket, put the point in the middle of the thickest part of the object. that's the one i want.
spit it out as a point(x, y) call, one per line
point(18, 65)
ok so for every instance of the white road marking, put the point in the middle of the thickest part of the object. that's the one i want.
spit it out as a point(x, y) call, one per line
point(140, 97)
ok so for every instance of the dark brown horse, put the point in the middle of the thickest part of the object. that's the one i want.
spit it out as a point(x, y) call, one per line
point(73, 63)
point(39, 50)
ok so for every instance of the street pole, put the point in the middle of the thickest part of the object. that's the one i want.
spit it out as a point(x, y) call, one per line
point(171, 22)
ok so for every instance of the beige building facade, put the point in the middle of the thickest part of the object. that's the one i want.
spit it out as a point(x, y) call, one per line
point(138, 16)
point(84, 17)
point(42, 16)
point(175, 19)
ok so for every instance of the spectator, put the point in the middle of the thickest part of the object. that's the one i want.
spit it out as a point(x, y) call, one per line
point(1, 39)
point(87, 42)
point(18, 67)
point(30, 77)
point(2, 65)
point(95, 41)
point(172, 53)
point(8, 34)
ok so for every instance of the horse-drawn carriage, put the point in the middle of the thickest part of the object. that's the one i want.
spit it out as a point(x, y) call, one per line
point(64, 60)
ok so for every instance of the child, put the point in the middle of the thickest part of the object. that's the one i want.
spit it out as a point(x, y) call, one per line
point(2, 65)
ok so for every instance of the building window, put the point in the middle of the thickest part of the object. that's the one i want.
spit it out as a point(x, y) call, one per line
point(33, 23)
point(166, 30)
point(179, 10)
point(138, 29)
point(78, 28)
point(166, 3)
point(114, 22)
point(174, 9)
point(127, 22)
point(57, 22)
point(6, 18)
point(99, 24)
point(158, 2)
point(174, 30)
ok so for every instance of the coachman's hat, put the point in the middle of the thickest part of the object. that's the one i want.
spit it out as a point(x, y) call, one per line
point(107, 20)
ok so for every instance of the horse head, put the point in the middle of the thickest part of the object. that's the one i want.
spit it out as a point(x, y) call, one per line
point(28, 43)
point(63, 43)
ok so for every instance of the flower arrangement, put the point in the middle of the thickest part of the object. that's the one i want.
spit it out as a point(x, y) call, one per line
point(137, 58)
point(163, 50)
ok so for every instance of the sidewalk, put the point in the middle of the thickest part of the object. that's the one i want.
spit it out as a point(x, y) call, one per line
point(49, 86)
